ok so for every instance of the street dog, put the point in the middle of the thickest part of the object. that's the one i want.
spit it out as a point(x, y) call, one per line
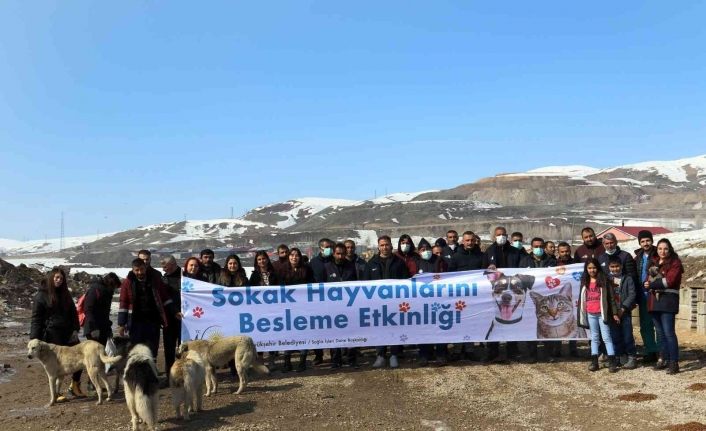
point(186, 379)
point(122, 348)
point(59, 361)
point(509, 294)
point(141, 386)
point(218, 352)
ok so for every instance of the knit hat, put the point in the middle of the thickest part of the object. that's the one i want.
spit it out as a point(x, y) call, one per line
point(644, 234)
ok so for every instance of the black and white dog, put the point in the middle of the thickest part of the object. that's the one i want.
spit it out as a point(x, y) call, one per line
point(141, 387)
point(509, 294)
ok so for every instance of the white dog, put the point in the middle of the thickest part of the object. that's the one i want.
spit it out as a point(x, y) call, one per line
point(59, 361)
point(141, 387)
point(217, 353)
point(186, 378)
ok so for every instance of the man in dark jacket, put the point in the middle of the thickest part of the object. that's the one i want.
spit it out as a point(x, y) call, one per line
point(171, 334)
point(281, 264)
point(517, 241)
point(643, 257)
point(358, 261)
point(591, 248)
point(144, 306)
point(211, 270)
point(467, 257)
point(407, 252)
point(385, 266)
point(341, 269)
point(610, 245)
point(318, 267)
point(537, 258)
point(451, 246)
point(500, 254)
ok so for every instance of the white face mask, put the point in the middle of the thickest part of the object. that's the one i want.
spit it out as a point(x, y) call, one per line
point(501, 239)
point(611, 252)
point(404, 248)
point(426, 254)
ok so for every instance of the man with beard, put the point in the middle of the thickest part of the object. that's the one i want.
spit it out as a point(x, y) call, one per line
point(210, 268)
point(467, 257)
point(591, 247)
point(144, 306)
point(282, 262)
point(171, 334)
point(563, 257)
point(643, 257)
point(341, 269)
point(358, 261)
point(385, 266)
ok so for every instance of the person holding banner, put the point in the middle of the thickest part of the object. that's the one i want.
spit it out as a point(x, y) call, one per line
point(451, 246)
point(233, 273)
point(385, 266)
point(318, 263)
point(429, 263)
point(407, 252)
point(596, 309)
point(564, 257)
point(468, 257)
point(358, 261)
point(264, 274)
point(296, 272)
point(341, 269)
point(193, 269)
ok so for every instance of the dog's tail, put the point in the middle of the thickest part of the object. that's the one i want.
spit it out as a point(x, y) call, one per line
point(146, 407)
point(110, 360)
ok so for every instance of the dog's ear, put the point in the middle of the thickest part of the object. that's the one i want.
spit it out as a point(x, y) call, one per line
point(526, 280)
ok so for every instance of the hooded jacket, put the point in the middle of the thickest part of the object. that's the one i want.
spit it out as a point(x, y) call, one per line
point(435, 264)
point(409, 258)
point(53, 324)
point(99, 298)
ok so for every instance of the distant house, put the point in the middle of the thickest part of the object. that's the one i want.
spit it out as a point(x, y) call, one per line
point(628, 233)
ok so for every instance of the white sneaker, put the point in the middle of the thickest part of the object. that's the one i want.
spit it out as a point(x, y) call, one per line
point(379, 362)
point(393, 361)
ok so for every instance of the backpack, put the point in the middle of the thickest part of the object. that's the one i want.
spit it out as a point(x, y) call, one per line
point(80, 306)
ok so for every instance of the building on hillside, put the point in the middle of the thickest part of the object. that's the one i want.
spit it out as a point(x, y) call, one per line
point(629, 233)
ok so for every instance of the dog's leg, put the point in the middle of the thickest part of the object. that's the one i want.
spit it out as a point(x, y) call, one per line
point(52, 390)
point(199, 396)
point(93, 376)
point(242, 375)
point(104, 379)
point(210, 390)
point(176, 401)
point(130, 401)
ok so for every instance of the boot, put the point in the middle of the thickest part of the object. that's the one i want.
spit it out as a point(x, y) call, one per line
point(593, 366)
point(613, 364)
point(271, 361)
point(301, 366)
point(631, 364)
point(75, 390)
point(623, 360)
point(673, 367)
point(287, 365)
point(649, 358)
point(319, 357)
point(379, 362)
point(660, 365)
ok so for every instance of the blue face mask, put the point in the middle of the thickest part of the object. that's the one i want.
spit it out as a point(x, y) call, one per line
point(327, 252)
point(517, 244)
point(426, 254)
point(538, 251)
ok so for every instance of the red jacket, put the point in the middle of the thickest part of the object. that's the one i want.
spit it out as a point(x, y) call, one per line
point(127, 294)
point(662, 295)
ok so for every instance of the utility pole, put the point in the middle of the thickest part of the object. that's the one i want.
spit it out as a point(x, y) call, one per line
point(231, 212)
point(61, 238)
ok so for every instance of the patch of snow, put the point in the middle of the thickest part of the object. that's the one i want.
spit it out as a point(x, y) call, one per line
point(13, 247)
point(366, 237)
point(578, 171)
point(309, 205)
point(442, 216)
point(634, 182)
point(397, 197)
point(394, 220)
point(698, 206)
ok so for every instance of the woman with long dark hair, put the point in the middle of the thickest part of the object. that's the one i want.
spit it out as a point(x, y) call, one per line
point(55, 319)
point(663, 285)
point(264, 273)
point(233, 273)
point(193, 269)
point(596, 310)
point(296, 272)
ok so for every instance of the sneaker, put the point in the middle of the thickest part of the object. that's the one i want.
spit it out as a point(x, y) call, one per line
point(61, 399)
point(623, 360)
point(379, 362)
point(631, 364)
point(394, 363)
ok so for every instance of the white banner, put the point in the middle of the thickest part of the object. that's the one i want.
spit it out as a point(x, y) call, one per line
point(473, 306)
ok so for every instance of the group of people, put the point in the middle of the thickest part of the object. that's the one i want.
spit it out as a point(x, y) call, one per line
point(613, 283)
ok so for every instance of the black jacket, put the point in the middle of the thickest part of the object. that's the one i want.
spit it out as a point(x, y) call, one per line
point(359, 266)
point(56, 323)
point(447, 253)
point(99, 298)
point(391, 268)
point(628, 263)
point(435, 265)
point(318, 265)
point(211, 274)
point(173, 282)
point(528, 261)
point(256, 278)
point(343, 272)
point(506, 256)
point(301, 275)
point(466, 260)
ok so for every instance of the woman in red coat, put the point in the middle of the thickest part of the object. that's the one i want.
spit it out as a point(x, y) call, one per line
point(663, 285)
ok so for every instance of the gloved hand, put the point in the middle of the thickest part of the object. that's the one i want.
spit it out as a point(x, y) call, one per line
point(95, 334)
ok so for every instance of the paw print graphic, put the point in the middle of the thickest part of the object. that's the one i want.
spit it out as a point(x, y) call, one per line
point(197, 312)
point(185, 306)
point(460, 305)
point(435, 307)
point(576, 275)
point(436, 277)
point(187, 286)
point(404, 307)
point(466, 337)
point(404, 338)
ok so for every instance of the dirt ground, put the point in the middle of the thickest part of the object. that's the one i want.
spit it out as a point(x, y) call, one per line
point(463, 396)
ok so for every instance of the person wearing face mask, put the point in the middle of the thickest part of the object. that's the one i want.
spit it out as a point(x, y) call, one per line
point(385, 266)
point(427, 262)
point(516, 241)
point(341, 269)
point(319, 261)
point(610, 244)
point(451, 246)
point(591, 248)
point(564, 257)
point(643, 256)
point(407, 252)
point(538, 259)
point(500, 254)
point(468, 257)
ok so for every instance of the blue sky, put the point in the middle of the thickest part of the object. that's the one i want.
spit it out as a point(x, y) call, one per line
point(130, 113)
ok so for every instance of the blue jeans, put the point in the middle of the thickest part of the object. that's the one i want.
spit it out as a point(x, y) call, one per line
point(622, 336)
point(666, 335)
point(599, 329)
